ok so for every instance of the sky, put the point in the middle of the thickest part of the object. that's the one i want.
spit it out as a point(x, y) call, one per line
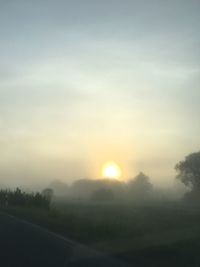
point(83, 82)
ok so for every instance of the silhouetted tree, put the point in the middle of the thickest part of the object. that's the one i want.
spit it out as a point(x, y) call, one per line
point(189, 174)
point(59, 188)
point(85, 188)
point(189, 171)
point(48, 194)
point(23, 199)
point(103, 194)
point(140, 187)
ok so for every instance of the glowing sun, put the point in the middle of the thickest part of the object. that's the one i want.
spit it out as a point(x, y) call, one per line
point(111, 170)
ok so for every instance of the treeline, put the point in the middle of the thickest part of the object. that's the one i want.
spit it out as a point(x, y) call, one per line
point(23, 199)
point(139, 189)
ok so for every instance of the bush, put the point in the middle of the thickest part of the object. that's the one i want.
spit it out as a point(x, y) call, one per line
point(23, 199)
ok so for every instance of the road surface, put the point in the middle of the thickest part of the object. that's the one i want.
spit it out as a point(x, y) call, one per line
point(23, 244)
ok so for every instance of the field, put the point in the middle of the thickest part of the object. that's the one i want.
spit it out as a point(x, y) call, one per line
point(154, 235)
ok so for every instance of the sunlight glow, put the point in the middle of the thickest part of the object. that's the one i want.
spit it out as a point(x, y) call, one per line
point(111, 170)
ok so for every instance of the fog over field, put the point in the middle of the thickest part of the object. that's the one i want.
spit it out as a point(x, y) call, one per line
point(86, 82)
point(99, 133)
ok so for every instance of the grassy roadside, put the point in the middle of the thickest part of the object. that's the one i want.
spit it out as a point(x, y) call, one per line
point(116, 229)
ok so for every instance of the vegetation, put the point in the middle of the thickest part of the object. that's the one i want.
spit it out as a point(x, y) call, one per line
point(123, 225)
point(126, 231)
point(87, 188)
point(189, 174)
point(140, 188)
point(47, 194)
point(137, 189)
point(103, 194)
point(189, 170)
point(22, 199)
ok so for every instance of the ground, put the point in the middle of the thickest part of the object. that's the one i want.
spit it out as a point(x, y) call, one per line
point(150, 235)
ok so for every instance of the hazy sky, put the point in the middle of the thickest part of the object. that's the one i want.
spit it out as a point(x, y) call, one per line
point(87, 81)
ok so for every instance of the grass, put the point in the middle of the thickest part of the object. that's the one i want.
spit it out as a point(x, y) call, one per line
point(121, 229)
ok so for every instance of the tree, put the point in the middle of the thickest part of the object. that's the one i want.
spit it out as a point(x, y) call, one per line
point(23, 199)
point(48, 194)
point(140, 187)
point(103, 194)
point(141, 182)
point(59, 188)
point(189, 171)
point(85, 188)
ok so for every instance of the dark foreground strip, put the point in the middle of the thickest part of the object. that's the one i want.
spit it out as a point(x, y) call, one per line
point(23, 244)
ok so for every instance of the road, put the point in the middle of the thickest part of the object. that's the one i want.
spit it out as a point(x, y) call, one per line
point(24, 244)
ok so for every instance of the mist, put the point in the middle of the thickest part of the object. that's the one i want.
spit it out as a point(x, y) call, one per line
point(99, 133)
point(84, 83)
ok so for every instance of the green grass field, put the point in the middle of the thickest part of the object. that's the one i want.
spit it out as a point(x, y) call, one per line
point(134, 233)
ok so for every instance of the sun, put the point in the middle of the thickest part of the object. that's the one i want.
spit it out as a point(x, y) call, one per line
point(111, 170)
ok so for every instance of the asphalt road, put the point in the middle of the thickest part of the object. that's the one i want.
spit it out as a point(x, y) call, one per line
point(24, 244)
